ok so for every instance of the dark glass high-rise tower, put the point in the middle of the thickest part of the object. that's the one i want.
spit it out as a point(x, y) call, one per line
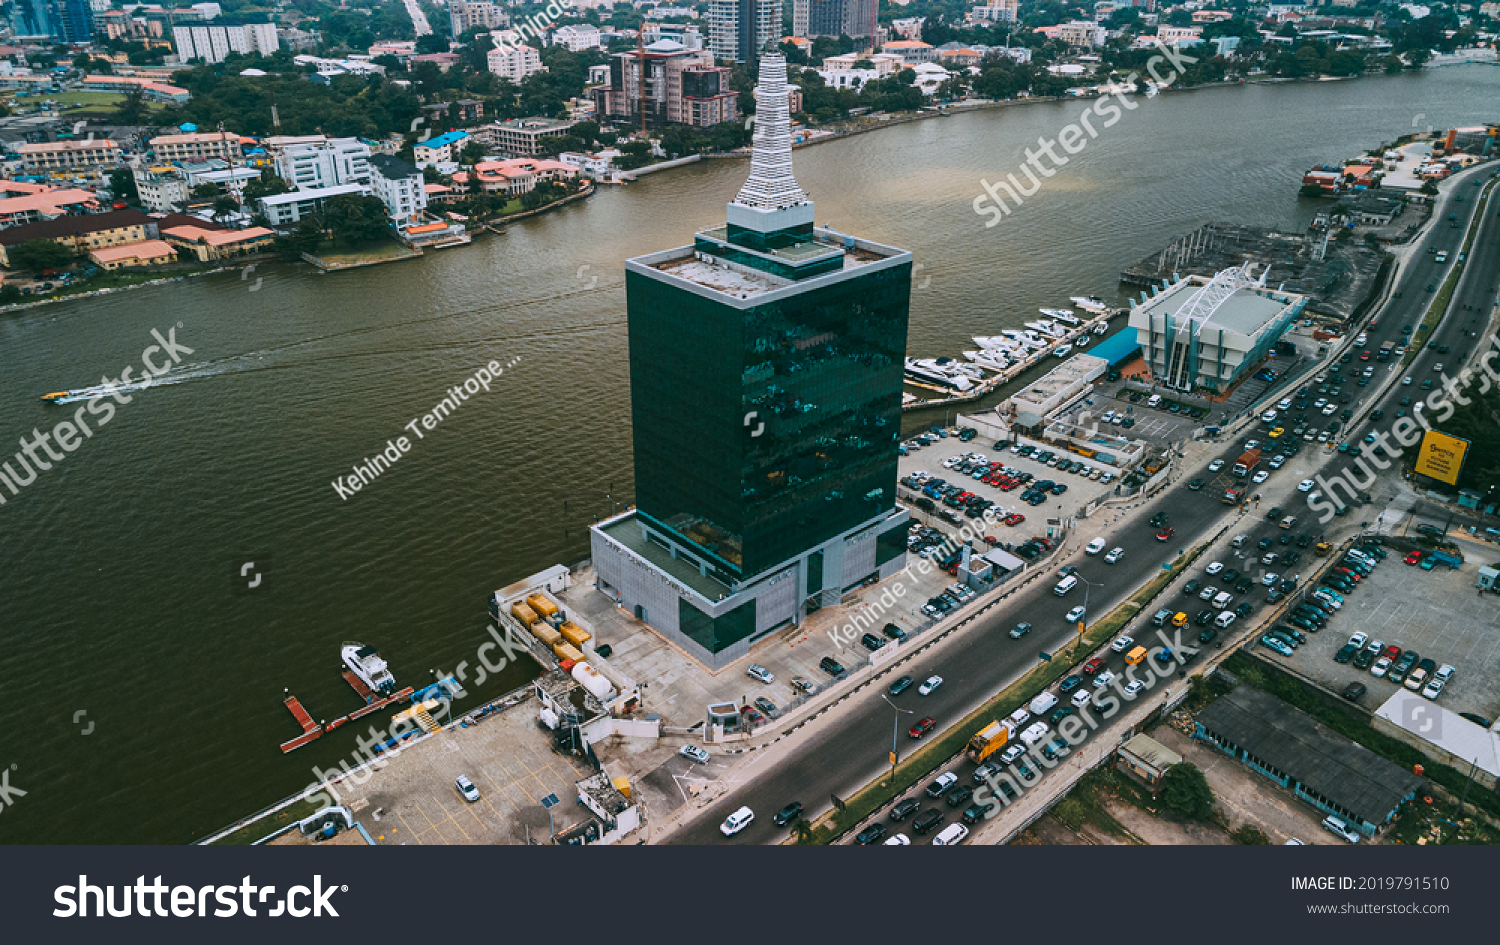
point(766, 365)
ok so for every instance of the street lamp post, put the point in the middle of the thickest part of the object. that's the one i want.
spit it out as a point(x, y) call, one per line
point(1087, 585)
point(895, 731)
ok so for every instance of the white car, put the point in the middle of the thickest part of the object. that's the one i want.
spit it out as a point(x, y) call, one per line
point(1260, 476)
point(1268, 417)
point(1381, 666)
point(1095, 546)
point(1269, 579)
point(466, 788)
point(1405, 382)
point(1122, 644)
point(1075, 615)
point(1330, 410)
point(759, 672)
point(1268, 558)
point(927, 687)
point(1305, 485)
point(899, 840)
point(1103, 679)
point(694, 753)
point(1208, 593)
point(1284, 404)
point(1359, 639)
point(1337, 827)
point(1216, 465)
point(1115, 554)
point(737, 821)
point(1081, 698)
point(1134, 688)
point(1277, 461)
point(1214, 568)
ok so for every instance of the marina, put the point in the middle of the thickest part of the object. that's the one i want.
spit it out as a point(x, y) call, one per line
point(368, 676)
point(1002, 358)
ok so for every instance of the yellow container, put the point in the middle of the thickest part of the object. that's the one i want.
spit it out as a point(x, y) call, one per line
point(525, 614)
point(542, 605)
point(567, 651)
point(622, 784)
point(544, 632)
point(574, 634)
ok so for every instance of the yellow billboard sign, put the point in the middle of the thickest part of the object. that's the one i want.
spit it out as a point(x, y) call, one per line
point(1441, 456)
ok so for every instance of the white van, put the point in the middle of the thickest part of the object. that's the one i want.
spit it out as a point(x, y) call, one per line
point(1154, 400)
point(952, 836)
point(1224, 619)
point(1095, 546)
point(1222, 599)
point(1043, 703)
point(737, 821)
point(1065, 585)
point(1239, 540)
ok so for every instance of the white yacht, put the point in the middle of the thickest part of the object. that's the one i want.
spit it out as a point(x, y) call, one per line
point(1064, 315)
point(369, 667)
point(1091, 303)
point(928, 371)
point(1082, 341)
point(1050, 329)
point(1062, 351)
point(1101, 328)
point(990, 359)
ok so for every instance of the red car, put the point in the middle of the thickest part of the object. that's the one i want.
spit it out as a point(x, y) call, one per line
point(992, 540)
point(751, 715)
point(1351, 574)
point(1014, 518)
point(1393, 651)
point(1413, 557)
point(1166, 533)
point(1093, 666)
point(922, 727)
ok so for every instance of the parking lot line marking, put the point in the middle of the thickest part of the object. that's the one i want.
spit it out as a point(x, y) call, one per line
point(432, 825)
point(416, 834)
point(449, 814)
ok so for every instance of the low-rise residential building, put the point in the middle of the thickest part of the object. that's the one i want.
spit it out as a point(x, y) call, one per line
point(211, 245)
point(288, 208)
point(576, 36)
point(47, 205)
point(400, 187)
point(56, 156)
point(219, 172)
point(1172, 35)
point(1002, 11)
point(520, 176)
point(198, 146)
point(84, 232)
point(161, 188)
point(1082, 33)
point(514, 62)
point(314, 161)
point(523, 137)
point(911, 51)
point(134, 255)
point(440, 148)
point(596, 166)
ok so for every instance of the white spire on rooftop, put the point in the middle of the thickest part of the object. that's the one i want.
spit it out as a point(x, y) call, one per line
point(771, 186)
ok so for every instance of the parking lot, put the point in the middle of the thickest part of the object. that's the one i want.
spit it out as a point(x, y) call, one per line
point(1437, 612)
point(1158, 425)
point(1079, 488)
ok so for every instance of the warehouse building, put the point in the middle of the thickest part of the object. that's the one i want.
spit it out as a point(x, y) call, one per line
point(1317, 764)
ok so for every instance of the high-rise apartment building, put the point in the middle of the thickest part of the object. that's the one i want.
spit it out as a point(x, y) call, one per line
point(464, 15)
point(214, 43)
point(63, 21)
point(681, 86)
point(740, 30)
point(766, 364)
point(852, 18)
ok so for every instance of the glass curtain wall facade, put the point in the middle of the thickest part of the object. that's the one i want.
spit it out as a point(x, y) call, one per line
point(761, 432)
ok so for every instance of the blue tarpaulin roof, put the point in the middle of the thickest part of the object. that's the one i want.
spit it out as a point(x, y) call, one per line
point(1117, 347)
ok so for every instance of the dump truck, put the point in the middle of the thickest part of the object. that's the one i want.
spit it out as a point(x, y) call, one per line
point(1248, 461)
point(987, 741)
point(1234, 496)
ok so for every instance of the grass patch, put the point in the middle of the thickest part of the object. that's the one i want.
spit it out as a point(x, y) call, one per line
point(916, 766)
point(269, 824)
point(1322, 707)
point(365, 253)
point(1084, 805)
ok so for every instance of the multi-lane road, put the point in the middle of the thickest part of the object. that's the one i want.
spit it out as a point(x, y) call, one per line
point(844, 754)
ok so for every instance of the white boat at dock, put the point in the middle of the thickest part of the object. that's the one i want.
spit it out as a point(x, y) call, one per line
point(1062, 351)
point(1091, 303)
point(1101, 328)
point(1064, 315)
point(366, 664)
point(991, 360)
point(1050, 329)
point(1082, 341)
point(931, 371)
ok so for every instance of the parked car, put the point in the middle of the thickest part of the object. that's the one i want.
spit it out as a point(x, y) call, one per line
point(694, 753)
point(788, 814)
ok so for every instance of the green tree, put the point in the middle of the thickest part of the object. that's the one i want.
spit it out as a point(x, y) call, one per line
point(134, 109)
point(472, 153)
point(204, 191)
point(39, 255)
point(1185, 792)
point(266, 185)
point(356, 218)
point(122, 184)
point(225, 207)
point(432, 43)
point(1250, 835)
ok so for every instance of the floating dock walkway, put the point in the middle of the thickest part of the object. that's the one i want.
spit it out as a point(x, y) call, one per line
point(312, 730)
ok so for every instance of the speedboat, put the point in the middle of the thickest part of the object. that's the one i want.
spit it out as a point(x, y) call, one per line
point(1082, 341)
point(1049, 329)
point(366, 663)
point(55, 395)
point(1063, 315)
point(1062, 351)
point(1101, 328)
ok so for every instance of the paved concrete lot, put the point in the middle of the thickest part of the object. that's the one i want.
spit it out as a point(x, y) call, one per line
point(1081, 490)
point(1438, 613)
point(507, 757)
point(680, 689)
point(1157, 427)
